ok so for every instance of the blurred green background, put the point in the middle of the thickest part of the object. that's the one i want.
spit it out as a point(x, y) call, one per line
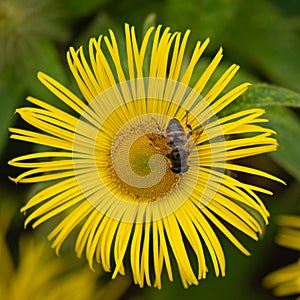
point(262, 36)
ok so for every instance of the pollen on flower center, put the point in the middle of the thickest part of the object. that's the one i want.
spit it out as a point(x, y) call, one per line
point(140, 154)
point(139, 168)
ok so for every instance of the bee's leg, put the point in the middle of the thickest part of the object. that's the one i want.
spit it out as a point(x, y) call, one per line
point(154, 143)
point(198, 129)
point(188, 126)
point(159, 129)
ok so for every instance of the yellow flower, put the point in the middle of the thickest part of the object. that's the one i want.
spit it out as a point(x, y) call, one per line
point(130, 186)
point(286, 280)
point(34, 273)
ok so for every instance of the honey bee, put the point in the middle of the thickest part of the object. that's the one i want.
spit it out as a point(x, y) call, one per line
point(177, 144)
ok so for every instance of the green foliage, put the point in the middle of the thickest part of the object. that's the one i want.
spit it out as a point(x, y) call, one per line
point(79, 9)
point(264, 95)
point(287, 124)
point(23, 25)
point(11, 95)
point(276, 101)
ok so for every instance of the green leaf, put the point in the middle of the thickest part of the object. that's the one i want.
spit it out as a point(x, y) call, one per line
point(287, 125)
point(263, 95)
point(282, 119)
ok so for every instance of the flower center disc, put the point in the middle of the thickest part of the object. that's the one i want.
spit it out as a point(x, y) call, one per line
point(139, 166)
